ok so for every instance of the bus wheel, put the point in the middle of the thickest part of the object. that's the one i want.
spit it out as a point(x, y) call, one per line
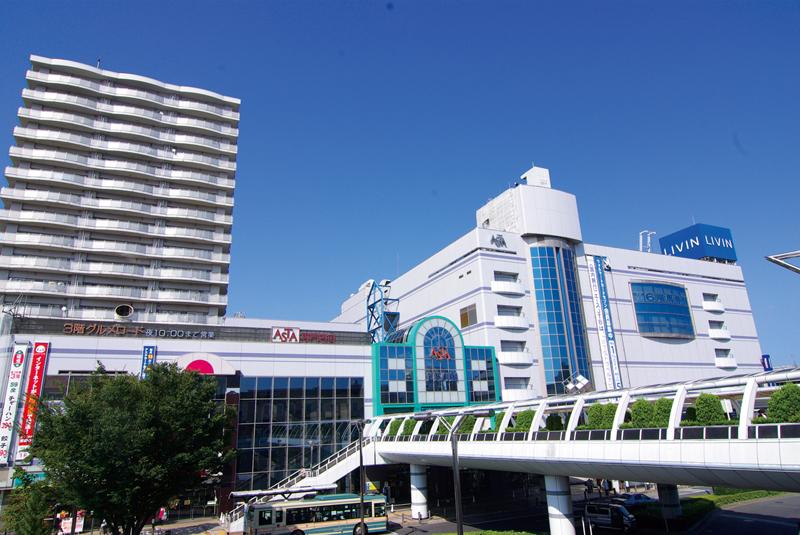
point(360, 529)
point(298, 532)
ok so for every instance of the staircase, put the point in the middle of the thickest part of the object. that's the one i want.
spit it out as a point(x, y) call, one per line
point(327, 472)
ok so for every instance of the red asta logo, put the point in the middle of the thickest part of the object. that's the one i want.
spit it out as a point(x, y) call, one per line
point(440, 353)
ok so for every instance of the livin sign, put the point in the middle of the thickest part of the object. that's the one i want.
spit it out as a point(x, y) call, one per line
point(498, 241)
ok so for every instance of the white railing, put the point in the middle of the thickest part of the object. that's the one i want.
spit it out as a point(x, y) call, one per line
point(116, 127)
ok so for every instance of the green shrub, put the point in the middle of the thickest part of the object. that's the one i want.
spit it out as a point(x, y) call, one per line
point(522, 421)
point(594, 417)
point(784, 405)
point(600, 416)
point(691, 414)
point(443, 429)
point(394, 426)
point(496, 420)
point(642, 413)
point(408, 427)
point(662, 408)
point(609, 411)
point(709, 409)
point(467, 424)
point(553, 423)
point(765, 420)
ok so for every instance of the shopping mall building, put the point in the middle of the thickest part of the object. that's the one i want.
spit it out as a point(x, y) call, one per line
point(115, 251)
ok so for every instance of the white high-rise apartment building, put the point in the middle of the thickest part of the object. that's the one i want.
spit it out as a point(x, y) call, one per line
point(120, 193)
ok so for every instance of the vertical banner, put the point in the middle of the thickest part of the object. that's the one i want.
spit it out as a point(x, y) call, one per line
point(16, 375)
point(32, 393)
point(148, 359)
point(605, 326)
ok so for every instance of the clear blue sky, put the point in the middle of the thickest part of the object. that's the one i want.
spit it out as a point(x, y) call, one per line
point(371, 131)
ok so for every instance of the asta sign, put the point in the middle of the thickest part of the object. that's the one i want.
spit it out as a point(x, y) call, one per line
point(285, 335)
point(700, 241)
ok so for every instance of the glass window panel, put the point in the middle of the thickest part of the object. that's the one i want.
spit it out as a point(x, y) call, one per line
point(357, 387)
point(247, 388)
point(326, 431)
point(312, 387)
point(312, 409)
point(280, 410)
point(296, 387)
point(296, 432)
point(262, 435)
point(243, 481)
point(263, 410)
point(328, 384)
point(295, 460)
point(247, 411)
point(261, 460)
point(245, 439)
point(277, 459)
point(342, 409)
point(342, 387)
point(264, 387)
point(280, 387)
point(326, 409)
point(296, 410)
point(222, 384)
point(278, 435)
point(55, 386)
point(356, 409)
point(261, 481)
point(244, 461)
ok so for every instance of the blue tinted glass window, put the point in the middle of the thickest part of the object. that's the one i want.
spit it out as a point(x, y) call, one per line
point(440, 364)
point(662, 310)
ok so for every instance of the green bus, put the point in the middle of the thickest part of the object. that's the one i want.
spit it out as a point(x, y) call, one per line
point(327, 514)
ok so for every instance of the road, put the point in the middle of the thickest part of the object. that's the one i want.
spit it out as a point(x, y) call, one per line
point(779, 515)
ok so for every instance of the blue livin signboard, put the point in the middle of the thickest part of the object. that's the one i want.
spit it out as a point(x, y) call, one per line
point(700, 241)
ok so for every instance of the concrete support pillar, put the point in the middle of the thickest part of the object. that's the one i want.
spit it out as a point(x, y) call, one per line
point(559, 505)
point(419, 490)
point(670, 500)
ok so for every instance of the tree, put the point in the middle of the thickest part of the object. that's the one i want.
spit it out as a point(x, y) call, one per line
point(29, 505)
point(122, 447)
point(708, 409)
point(594, 416)
point(554, 423)
point(642, 413)
point(784, 405)
point(662, 411)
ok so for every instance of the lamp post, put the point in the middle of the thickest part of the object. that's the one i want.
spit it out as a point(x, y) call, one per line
point(361, 479)
point(428, 416)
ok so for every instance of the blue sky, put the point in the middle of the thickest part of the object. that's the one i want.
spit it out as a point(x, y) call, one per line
point(371, 131)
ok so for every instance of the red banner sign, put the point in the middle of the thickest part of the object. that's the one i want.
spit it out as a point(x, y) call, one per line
point(32, 394)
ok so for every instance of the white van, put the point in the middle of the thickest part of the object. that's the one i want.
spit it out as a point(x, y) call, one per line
point(609, 515)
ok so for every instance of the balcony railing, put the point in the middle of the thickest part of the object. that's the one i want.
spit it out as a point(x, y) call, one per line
point(115, 127)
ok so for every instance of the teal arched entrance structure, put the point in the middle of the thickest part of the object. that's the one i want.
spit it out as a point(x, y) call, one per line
point(427, 366)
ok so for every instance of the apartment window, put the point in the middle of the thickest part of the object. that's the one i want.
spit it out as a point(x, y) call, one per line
point(469, 316)
point(716, 324)
point(721, 353)
point(512, 345)
point(710, 298)
point(505, 310)
point(505, 276)
point(516, 383)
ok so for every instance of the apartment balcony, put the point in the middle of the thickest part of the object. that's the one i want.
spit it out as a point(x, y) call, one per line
point(38, 240)
point(517, 394)
point(168, 102)
point(77, 141)
point(133, 207)
point(515, 358)
point(112, 292)
point(54, 311)
point(508, 288)
point(719, 334)
point(125, 227)
point(511, 322)
point(74, 121)
point(114, 184)
point(713, 306)
point(80, 161)
point(92, 106)
point(111, 269)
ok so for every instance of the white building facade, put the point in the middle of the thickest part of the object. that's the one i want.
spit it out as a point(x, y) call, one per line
point(119, 198)
point(560, 311)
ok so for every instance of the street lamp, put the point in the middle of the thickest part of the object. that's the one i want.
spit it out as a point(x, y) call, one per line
point(361, 479)
point(428, 416)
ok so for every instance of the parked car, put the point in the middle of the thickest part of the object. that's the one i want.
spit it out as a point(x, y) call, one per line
point(609, 514)
point(634, 500)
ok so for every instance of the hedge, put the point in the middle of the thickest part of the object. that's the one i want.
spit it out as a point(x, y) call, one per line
point(394, 426)
point(784, 405)
point(408, 427)
point(522, 421)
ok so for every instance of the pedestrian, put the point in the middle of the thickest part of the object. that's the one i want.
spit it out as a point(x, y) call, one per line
point(606, 486)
